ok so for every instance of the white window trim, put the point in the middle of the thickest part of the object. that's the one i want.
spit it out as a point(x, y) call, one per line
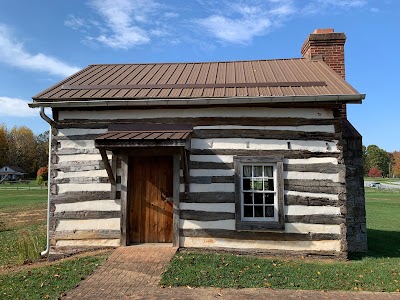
point(275, 205)
point(257, 223)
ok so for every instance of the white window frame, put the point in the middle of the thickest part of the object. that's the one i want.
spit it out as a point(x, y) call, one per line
point(259, 223)
point(274, 192)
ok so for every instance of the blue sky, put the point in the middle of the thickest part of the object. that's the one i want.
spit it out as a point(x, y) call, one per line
point(42, 42)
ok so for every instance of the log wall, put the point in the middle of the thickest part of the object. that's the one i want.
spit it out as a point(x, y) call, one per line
point(309, 141)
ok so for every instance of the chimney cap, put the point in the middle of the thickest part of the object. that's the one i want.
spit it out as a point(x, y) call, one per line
point(323, 30)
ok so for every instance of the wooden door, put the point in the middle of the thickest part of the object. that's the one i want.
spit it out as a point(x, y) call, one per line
point(150, 199)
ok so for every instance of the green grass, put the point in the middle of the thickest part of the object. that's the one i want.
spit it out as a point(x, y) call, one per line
point(22, 237)
point(383, 222)
point(14, 198)
point(11, 254)
point(22, 225)
point(379, 270)
point(49, 282)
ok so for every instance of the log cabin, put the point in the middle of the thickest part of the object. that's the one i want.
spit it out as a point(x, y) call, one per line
point(253, 156)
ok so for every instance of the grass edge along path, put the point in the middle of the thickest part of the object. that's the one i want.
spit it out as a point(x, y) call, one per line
point(50, 281)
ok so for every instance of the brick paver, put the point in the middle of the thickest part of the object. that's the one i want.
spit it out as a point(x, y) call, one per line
point(134, 272)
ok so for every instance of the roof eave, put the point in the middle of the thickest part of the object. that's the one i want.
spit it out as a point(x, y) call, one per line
point(352, 98)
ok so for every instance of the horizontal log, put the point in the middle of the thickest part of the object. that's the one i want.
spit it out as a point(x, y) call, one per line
point(209, 179)
point(310, 201)
point(201, 121)
point(316, 219)
point(314, 186)
point(79, 180)
point(75, 197)
point(205, 215)
point(210, 165)
point(78, 166)
point(207, 197)
point(73, 151)
point(320, 168)
point(263, 134)
point(273, 153)
point(86, 214)
point(257, 235)
point(85, 234)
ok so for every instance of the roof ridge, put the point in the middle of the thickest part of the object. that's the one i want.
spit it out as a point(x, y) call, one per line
point(197, 62)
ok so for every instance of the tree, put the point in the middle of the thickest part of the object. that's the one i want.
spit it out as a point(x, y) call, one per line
point(396, 164)
point(21, 148)
point(378, 158)
point(366, 165)
point(42, 150)
point(3, 145)
point(374, 172)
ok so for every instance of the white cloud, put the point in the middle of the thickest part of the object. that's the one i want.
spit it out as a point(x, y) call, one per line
point(240, 31)
point(240, 23)
point(343, 3)
point(13, 53)
point(14, 107)
point(126, 22)
point(74, 22)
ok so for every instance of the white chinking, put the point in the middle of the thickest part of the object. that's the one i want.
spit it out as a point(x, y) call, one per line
point(265, 245)
point(91, 224)
point(93, 205)
point(264, 144)
point(300, 210)
point(209, 207)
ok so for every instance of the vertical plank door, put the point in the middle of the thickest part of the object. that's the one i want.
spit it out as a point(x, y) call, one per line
point(150, 199)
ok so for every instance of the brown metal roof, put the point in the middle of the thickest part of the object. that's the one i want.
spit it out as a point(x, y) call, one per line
point(258, 78)
point(125, 132)
point(144, 135)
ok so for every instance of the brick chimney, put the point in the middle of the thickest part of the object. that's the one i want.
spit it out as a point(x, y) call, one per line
point(327, 45)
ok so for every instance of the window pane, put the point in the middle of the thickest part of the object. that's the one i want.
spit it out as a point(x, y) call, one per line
point(269, 185)
point(257, 184)
point(258, 198)
point(258, 171)
point(269, 198)
point(247, 171)
point(248, 211)
point(248, 198)
point(246, 184)
point(268, 171)
point(269, 211)
point(258, 211)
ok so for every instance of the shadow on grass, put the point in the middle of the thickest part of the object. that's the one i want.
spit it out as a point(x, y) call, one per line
point(380, 244)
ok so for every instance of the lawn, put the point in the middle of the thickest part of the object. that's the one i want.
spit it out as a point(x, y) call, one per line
point(379, 270)
point(22, 216)
point(23, 224)
point(49, 282)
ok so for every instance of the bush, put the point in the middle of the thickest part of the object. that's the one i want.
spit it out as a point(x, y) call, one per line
point(29, 246)
point(375, 172)
point(43, 172)
point(39, 180)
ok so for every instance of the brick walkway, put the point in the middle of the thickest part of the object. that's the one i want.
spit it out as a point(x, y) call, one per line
point(134, 272)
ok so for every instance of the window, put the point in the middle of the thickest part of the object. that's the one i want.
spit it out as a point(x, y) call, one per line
point(259, 193)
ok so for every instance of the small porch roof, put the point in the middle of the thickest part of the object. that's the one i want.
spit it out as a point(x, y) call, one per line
point(123, 136)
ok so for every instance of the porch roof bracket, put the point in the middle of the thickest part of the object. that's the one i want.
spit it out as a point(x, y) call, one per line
point(107, 165)
point(186, 170)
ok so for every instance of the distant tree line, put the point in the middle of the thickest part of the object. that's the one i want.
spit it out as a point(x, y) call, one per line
point(20, 147)
point(380, 163)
